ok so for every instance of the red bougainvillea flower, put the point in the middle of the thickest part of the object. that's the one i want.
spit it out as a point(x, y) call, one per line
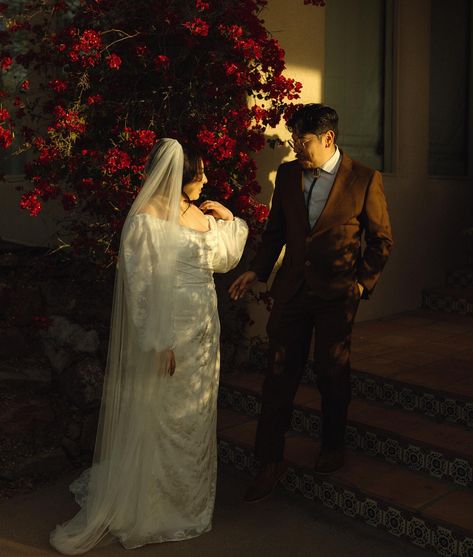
point(44, 188)
point(161, 62)
point(25, 85)
point(69, 201)
point(87, 182)
point(236, 72)
point(69, 120)
point(6, 137)
point(86, 49)
point(4, 114)
point(141, 49)
point(233, 32)
point(5, 63)
point(143, 138)
point(261, 213)
point(226, 190)
point(94, 99)
point(201, 5)
point(48, 154)
point(250, 48)
point(197, 27)
point(220, 145)
point(114, 61)
point(58, 85)
point(115, 160)
point(31, 203)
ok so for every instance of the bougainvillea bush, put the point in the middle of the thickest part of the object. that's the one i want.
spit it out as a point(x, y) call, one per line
point(92, 84)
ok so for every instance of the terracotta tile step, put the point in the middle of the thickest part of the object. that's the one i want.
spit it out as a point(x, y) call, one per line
point(400, 436)
point(447, 375)
point(367, 414)
point(439, 373)
point(364, 480)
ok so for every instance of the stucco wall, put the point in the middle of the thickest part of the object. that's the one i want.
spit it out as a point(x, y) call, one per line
point(427, 214)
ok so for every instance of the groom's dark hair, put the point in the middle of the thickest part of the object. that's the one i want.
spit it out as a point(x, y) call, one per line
point(313, 118)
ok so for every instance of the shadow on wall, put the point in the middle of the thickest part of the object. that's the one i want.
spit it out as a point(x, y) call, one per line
point(268, 161)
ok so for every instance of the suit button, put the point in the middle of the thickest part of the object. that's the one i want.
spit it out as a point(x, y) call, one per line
point(308, 263)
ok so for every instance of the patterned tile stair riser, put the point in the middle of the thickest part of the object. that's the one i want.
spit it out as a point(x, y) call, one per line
point(434, 404)
point(460, 278)
point(374, 512)
point(359, 437)
point(448, 303)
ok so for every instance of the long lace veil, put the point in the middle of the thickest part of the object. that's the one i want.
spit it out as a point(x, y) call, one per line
point(140, 331)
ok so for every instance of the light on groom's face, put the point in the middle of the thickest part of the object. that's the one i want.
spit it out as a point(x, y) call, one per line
point(194, 189)
point(312, 150)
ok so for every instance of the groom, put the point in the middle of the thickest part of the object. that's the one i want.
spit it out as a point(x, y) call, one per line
point(322, 204)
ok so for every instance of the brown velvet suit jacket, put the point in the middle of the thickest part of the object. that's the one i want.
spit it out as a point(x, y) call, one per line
point(329, 257)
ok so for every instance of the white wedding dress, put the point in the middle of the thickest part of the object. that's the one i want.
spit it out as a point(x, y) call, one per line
point(161, 473)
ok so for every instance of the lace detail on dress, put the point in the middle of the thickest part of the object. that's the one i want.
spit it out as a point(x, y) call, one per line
point(145, 270)
point(80, 487)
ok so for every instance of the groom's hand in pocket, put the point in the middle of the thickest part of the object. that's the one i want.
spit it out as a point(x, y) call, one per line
point(242, 284)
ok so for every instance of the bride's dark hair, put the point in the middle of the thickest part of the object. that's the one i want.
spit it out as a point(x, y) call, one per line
point(192, 169)
point(192, 164)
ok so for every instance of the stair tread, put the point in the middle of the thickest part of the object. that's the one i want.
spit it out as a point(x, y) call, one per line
point(444, 374)
point(456, 507)
point(374, 415)
point(413, 491)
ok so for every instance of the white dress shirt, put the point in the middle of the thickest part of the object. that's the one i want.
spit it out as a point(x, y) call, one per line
point(322, 187)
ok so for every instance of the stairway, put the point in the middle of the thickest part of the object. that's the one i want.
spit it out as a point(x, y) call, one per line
point(409, 463)
point(457, 295)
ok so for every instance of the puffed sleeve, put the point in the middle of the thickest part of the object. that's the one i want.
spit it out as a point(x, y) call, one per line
point(148, 282)
point(231, 240)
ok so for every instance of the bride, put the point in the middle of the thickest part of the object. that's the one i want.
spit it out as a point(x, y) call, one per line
point(154, 471)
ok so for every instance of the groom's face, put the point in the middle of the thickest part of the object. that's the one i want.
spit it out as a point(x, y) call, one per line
point(312, 150)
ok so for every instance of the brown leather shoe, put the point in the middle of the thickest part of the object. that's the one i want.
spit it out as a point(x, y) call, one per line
point(330, 460)
point(265, 482)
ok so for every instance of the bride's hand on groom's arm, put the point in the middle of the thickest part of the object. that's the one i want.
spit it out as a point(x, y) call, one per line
point(242, 284)
point(216, 209)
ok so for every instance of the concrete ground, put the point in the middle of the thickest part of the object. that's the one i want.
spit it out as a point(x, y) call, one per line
point(282, 526)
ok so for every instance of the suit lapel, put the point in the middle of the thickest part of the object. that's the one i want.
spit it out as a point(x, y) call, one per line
point(335, 198)
point(298, 196)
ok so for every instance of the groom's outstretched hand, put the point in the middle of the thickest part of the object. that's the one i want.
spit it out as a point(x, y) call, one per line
point(242, 284)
